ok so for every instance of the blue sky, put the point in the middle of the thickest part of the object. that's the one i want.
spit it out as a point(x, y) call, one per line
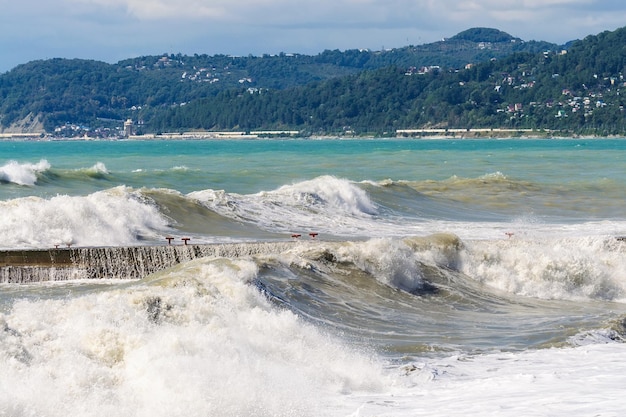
point(112, 30)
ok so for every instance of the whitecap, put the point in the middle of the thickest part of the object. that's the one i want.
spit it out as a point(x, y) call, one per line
point(22, 174)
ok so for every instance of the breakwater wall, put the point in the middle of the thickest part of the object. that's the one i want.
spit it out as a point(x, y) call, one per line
point(134, 262)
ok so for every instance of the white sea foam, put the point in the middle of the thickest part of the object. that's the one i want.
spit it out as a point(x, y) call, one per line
point(99, 168)
point(325, 204)
point(584, 381)
point(22, 174)
point(196, 340)
point(117, 216)
point(559, 268)
point(331, 192)
point(390, 261)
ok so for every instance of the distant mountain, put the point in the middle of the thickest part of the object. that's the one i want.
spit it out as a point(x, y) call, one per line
point(69, 96)
point(468, 47)
point(288, 70)
point(578, 91)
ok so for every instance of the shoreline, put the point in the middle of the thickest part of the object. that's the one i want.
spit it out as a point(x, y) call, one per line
point(497, 135)
point(413, 133)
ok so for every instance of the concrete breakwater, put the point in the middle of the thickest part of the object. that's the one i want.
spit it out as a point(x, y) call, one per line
point(61, 264)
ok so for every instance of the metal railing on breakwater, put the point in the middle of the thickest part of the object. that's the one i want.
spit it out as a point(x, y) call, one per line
point(133, 262)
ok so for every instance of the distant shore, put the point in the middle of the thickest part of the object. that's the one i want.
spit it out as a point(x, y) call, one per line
point(470, 133)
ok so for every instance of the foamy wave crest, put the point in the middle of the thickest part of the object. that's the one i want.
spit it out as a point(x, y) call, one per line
point(328, 191)
point(22, 174)
point(391, 262)
point(117, 216)
point(567, 268)
point(98, 169)
point(323, 204)
point(196, 340)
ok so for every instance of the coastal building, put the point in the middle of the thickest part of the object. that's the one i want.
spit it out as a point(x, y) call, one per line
point(128, 128)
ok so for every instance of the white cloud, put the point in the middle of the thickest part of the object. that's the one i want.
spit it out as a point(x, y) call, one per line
point(262, 11)
point(153, 9)
point(434, 15)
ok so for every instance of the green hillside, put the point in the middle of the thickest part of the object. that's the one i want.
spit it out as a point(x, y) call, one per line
point(479, 78)
point(578, 91)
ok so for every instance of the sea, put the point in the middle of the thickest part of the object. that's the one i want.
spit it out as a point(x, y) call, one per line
point(400, 277)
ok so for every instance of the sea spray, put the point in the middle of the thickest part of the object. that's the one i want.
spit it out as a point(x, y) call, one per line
point(22, 174)
point(389, 261)
point(560, 268)
point(99, 170)
point(118, 216)
point(196, 339)
point(325, 204)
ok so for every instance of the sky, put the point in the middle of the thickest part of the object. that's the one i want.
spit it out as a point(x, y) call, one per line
point(113, 30)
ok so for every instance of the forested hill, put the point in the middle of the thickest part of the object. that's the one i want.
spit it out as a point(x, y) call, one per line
point(58, 92)
point(573, 91)
point(480, 78)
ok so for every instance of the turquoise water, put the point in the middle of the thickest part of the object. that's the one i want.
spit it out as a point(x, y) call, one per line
point(574, 179)
point(251, 166)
